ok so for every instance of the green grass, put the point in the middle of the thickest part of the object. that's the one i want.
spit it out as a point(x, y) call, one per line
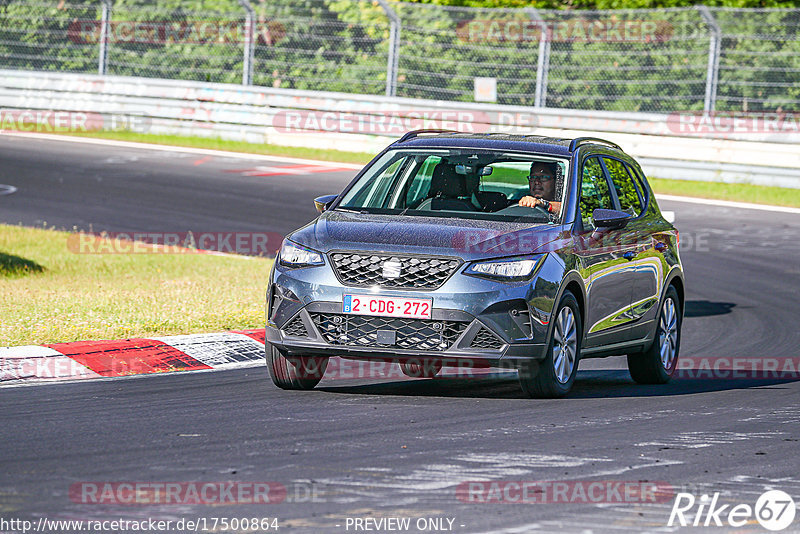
point(757, 194)
point(338, 156)
point(49, 294)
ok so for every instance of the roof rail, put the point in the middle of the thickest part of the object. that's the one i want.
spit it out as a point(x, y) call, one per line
point(415, 133)
point(578, 141)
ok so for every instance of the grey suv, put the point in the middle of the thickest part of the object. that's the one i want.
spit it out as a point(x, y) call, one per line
point(486, 250)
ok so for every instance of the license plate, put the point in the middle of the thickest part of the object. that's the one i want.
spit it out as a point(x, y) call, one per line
point(387, 306)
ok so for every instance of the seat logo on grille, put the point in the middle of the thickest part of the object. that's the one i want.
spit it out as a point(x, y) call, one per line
point(392, 269)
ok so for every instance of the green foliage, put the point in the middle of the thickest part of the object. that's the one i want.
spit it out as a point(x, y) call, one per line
point(606, 4)
point(343, 46)
point(322, 45)
point(760, 63)
point(40, 35)
point(198, 40)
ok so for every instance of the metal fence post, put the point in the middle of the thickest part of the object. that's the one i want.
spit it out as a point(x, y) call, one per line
point(543, 63)
point(714, 48)
point(394, 48)
point(249, 42)
point(105, 16)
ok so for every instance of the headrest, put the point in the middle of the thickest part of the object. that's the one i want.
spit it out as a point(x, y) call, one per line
point(446, 183)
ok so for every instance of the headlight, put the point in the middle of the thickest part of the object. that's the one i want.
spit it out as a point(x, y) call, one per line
point(294, 255)
point(518, 268)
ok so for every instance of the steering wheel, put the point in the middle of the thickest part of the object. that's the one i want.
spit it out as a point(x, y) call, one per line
point(524, 211)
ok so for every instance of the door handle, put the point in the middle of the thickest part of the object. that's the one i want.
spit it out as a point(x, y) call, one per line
point(629, 255)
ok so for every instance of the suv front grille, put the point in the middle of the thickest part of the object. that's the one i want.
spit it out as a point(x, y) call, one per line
point(416, 272)
point(362, 331)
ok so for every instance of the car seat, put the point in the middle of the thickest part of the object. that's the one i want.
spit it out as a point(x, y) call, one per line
point(448, 190)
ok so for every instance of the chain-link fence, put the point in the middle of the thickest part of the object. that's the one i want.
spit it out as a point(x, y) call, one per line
point(661, 60)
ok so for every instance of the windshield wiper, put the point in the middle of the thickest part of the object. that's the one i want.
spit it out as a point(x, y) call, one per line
point(348, 210)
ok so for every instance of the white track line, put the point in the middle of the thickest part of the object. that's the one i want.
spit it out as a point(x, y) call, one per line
point(262, 157)
point(728, 204)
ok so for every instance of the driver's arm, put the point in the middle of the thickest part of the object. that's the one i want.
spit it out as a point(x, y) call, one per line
point(532, 202)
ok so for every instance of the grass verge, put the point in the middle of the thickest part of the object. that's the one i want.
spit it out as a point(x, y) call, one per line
point(50, 295)
point(777, 196)
point(756, 194)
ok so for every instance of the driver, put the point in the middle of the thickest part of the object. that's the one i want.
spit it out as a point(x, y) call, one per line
point(542, 184)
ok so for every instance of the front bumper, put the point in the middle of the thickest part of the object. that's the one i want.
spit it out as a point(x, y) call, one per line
point(305, 334)
point(511, 319)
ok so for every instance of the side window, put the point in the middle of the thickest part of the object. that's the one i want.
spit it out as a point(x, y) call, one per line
point(638, 178)
point(594, 191)
point(629, 199)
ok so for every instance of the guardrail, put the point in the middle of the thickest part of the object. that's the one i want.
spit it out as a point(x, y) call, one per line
point(687, 146)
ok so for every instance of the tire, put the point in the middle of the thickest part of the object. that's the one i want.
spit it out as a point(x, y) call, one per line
point(657, 364)
point(295, 372)
point(554, 376)
point(421, 369)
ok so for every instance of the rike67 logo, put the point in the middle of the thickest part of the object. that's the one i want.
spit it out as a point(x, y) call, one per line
point(774, 510)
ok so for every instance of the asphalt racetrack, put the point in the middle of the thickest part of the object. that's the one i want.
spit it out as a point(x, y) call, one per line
point(394, 448)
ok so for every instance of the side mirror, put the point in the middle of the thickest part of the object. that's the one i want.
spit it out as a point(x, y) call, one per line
point(487, 170)
point(611, 219)
point(322, 203)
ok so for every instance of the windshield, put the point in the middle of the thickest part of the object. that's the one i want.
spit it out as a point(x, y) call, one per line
point(464, 183)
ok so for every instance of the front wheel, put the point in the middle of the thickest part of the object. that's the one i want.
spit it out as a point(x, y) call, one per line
point(657, 364)
point(294, 372)
point(555, 375)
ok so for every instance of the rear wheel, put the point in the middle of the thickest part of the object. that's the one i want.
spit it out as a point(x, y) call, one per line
point(554, 376)
point(657, 364)
point(295, 372)
point(421, 369)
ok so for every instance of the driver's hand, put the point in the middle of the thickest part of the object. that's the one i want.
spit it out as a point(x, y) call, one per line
point(529, 202)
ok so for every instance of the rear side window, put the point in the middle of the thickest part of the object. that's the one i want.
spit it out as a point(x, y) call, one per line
point(594, 191)
point(641, 185)
point(630, 201)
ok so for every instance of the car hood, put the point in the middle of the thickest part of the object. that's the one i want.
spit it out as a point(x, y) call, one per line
point(465, 238)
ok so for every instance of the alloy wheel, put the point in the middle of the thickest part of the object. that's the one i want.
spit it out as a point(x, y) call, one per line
point(565, 344)
point(668, 333)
